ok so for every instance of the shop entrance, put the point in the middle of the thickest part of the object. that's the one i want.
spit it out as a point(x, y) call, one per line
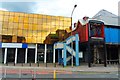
point(31, 55)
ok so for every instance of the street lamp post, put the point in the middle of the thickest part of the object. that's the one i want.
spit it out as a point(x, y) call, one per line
point(71, 33)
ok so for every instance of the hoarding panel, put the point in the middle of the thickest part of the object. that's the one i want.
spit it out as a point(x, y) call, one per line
point(107, 35)
point(114, 35)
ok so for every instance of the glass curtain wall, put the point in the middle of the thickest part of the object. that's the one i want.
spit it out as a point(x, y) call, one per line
point(30, 28)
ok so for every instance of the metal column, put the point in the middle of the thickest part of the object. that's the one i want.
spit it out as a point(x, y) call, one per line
point(45, 54)
point(5, 56)
point(36, 54)
point(64, 57)
point(89, 48)
point(89, 54)
point(26, 55)
point(105, 54)
point(16, 55)
point(54, 56)
point(77, 50)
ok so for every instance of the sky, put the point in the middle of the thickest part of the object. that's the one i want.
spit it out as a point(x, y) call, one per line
point(61, 7)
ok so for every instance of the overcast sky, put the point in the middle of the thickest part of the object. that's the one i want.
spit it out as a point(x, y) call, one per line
point(61, 7)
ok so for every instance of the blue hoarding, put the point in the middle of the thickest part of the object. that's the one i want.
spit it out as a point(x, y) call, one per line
point(112, 35)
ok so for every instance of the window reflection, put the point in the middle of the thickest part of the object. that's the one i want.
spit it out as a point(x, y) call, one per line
point(24, 33)
point(11, 13)
point(6, 13)
point(29, 33)
point(34, 39)
point(25, 26)
point(10, 32)
point(5, 25)
point(11, 19)
point(4, 31)
point(1, 17)
point(1, 12)
point(14, 32)
point(19, 32)
point(25, 19)
point(6, 18)
point(0, 28)
point(15, 18)
point(21, 19)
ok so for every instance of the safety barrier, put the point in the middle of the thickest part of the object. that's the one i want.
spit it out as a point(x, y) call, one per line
point(34, 64)
point(31, 73)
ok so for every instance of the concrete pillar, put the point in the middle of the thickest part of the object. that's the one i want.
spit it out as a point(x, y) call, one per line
point(5, 56)
point(45, 54)
point(36, 54)
point(26, 55)
point(16, 55)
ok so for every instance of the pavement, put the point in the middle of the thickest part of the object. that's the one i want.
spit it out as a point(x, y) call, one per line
point(81, 68)
point(82, 71)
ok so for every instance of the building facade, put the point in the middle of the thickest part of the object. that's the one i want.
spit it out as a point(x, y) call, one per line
point(29, 38)
point(112, 32)
point(24, 36)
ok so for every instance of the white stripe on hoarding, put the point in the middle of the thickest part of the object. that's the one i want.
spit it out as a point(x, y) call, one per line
point(11, 45)
point(31, 46)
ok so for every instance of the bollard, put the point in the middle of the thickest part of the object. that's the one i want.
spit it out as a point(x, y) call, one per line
point(6, 63)
point(54, 64)
point(22, 64)
point(20, 74)
point(63, 65)
point(33, 75)
point(108, 62)
point(46, 64)
point(33, 79)
point(38, 64)
point(14, 63)
point(54, 75)
point(30, 63)
point(5, 74)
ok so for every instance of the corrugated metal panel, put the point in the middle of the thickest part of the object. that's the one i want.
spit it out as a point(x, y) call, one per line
point(107, 17)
